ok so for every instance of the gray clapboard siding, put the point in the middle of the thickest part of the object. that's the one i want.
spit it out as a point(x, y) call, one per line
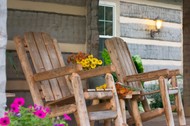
point(150, 12)
point(65, 28)
point(142, 31)
point(156, 52)
point(158, 67)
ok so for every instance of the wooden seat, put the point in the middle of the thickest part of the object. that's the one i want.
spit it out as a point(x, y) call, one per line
point(51, 83)
point(127, 74)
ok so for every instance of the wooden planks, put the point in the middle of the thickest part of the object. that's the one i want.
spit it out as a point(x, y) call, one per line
point(96, 72)
point(36, 96)
point(121, 58)
point(58, 72)
point(102, 115)
point(60, 82)
point(38, 65)
point(148, 76)
point(46, 57)
point(98, 95)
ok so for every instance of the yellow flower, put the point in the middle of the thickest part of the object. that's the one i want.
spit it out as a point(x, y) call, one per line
point(94, 61)
point(93, 66)
point(90, 56)
point(87, 64)
point(87, 60)
point(104, 86)
point(99, 62)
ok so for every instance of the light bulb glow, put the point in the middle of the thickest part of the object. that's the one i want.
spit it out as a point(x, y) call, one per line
point(158, 24)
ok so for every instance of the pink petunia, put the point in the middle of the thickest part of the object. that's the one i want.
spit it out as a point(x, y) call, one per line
point(19, 101)
point(30, 106)
point(14, 108)
point(6, 114)
point(47, 109)
point(41, 114)
point(4, 121)
point(61, 125)
point(66, 117)
point(36, 107)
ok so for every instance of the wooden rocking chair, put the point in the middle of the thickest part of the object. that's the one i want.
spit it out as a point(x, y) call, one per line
point(127, 74)
point(51, 85)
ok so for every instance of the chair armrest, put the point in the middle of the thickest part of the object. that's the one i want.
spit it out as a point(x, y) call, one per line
point(97, 71)
point(148, 76)
point(174, 73)
point(58, 72)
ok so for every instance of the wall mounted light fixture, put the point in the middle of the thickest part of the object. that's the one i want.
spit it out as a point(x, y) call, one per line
point(158, 25)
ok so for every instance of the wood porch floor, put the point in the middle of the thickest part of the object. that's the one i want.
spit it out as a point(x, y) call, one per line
point(160, 121)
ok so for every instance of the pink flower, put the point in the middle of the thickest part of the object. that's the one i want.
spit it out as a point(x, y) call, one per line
point(47, 109)
point(30, 106)
point(66, 117)
point(14, 108)
point(4, 121)
point(58, 125)
point(19, 101)
point(6, 114)
point(36, 107)
point(41, 114)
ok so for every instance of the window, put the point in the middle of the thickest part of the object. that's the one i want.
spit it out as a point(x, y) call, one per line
point(105, 20)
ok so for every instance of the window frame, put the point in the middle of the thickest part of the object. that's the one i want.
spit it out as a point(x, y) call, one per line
point(113, 5)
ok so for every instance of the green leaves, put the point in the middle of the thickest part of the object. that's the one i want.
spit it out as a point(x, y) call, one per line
point(106, 57)
point(138, 63)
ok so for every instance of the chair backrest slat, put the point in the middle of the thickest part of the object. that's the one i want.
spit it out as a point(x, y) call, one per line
point(44, 57)
point(56, 62)
point(27, 69)
point(121, 58)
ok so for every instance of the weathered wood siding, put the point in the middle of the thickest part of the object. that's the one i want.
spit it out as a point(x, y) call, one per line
point(65, 28)
point(68, 27)
point(134, 24)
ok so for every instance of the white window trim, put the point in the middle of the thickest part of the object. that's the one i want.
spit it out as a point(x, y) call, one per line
point(110, 4)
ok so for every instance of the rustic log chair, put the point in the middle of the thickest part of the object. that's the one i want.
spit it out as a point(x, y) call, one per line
point(49, 85)
point(127, 74)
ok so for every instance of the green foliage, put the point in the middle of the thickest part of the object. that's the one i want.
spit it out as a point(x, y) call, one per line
point(27, 118)
point(106, 57)
point(155, 99)
point(138, 63)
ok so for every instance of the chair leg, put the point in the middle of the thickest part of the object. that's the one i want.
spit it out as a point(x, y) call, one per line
point(115, 101)
point(107, 122)
point(77, 118)
point(166, 102)
point(80, 101)
point(122, 105)
point(145, 104)
point(178, 103)
point(135, 112)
